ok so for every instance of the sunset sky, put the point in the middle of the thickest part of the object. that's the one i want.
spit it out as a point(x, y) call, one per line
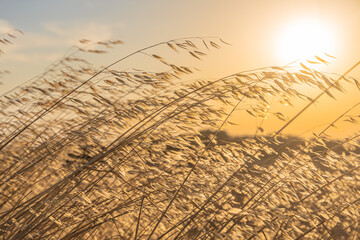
point(262, 33)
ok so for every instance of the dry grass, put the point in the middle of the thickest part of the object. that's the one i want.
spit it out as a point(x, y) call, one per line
point(117, 154)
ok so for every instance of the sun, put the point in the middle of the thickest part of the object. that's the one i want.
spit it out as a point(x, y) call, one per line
point(302, 39)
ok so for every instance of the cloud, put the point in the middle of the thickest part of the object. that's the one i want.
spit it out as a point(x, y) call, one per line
point(5, 26)
point(33, 57)
point(32, 47)
point(56, 37)
point(73, 32)
point(35, 50)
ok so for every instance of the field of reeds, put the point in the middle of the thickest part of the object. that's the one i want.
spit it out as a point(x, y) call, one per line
point(108, 153)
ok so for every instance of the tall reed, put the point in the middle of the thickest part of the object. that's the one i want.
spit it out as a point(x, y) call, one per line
point(95, 153)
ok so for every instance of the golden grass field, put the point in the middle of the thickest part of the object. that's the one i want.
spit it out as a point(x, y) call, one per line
point(106, 153)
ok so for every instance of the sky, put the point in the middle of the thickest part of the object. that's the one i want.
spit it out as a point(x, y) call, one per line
point(258, 30)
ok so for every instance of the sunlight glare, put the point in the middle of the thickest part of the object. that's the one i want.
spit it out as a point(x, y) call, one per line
point(303, 39)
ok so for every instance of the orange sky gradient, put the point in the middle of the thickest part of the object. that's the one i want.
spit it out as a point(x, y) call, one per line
point(262, 33)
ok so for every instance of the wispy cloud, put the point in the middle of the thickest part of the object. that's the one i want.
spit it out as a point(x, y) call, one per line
point(71, 32)
point(5, 26)
point(33, 47)
point(56, 37)
point(35, 50)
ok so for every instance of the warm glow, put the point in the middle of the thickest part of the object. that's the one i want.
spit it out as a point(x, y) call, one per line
point(303, 39)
